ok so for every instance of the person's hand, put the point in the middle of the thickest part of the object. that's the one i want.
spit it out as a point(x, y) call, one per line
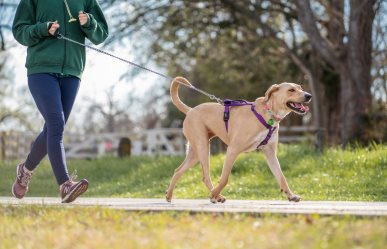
point(83, 18)
point(53, 28)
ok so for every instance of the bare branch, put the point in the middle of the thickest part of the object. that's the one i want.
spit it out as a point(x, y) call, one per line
point(308, 23)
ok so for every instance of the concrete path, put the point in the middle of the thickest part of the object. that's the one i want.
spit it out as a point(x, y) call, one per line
point(204, 205)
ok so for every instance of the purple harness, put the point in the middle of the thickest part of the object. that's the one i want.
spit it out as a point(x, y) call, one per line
point(228, 103)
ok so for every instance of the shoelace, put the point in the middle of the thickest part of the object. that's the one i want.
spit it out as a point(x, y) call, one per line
point(69, 183)
point(24, 177)
point(73, 176)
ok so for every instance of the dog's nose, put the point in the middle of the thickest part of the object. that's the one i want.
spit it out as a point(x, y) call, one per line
point(307, 97)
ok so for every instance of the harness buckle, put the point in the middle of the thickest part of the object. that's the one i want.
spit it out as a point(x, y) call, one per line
point(227, 102)
point(226, 116)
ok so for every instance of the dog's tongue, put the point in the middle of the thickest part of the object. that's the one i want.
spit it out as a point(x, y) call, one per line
point(300, 106)
point(304, 108)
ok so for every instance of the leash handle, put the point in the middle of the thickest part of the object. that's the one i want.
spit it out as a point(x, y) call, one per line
point(56, 33)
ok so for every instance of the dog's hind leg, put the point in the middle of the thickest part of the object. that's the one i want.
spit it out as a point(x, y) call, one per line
point(203, 151)
point(190, 160)
point(231, 156)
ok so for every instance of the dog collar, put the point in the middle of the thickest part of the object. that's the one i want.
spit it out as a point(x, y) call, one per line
point(274, 117)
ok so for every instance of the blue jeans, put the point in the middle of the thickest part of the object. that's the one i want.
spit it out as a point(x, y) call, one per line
point(54, 95)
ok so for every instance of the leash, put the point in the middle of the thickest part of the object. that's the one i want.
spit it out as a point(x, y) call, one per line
point(211, 96)
point(227, 103)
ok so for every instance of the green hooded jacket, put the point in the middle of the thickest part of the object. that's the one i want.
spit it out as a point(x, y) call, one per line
point(48, 54)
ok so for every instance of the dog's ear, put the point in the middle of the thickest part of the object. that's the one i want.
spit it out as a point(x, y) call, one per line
point(270, 91)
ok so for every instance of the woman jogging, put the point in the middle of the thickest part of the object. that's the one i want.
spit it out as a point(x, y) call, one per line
point(54, 70)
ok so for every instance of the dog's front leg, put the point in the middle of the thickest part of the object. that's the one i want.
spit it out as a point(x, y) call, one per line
point(231, 156)
point(270, 152)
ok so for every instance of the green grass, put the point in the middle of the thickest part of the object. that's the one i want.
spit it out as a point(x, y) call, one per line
point(357, 174)
point(59, 227)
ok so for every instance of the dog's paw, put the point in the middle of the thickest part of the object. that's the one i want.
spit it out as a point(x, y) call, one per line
point(221, 199)
point(168, 197)
point(294, 198)
point(213, 199)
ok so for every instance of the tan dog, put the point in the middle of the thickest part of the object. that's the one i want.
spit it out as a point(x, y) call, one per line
point(245, 133)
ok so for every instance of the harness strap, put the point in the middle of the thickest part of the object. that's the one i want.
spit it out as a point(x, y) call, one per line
point(269, 127)
point(228, 103)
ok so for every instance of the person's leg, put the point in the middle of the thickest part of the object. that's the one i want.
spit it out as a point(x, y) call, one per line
point(54, 98)
point(46, 93)
point(38, 150)
point(45, 90)
point(69, 87)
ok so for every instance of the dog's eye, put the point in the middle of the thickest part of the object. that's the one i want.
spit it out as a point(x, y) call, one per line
point(292, 90)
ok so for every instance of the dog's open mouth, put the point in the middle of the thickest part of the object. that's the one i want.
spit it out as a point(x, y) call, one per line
point(298, 107)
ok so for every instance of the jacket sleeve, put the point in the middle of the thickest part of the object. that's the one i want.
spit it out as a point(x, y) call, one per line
point(25, 29)
point(96, 28)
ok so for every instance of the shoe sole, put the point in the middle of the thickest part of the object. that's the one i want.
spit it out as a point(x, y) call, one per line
point(80, 189)
point(15, 195)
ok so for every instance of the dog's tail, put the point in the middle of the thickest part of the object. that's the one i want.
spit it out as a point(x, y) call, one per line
point(174, 90)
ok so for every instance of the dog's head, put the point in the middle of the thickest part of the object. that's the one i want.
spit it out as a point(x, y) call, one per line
point(289, 96)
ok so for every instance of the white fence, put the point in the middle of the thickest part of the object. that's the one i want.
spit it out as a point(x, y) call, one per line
point(15, 145)
point(150, 142)
point(164, 141)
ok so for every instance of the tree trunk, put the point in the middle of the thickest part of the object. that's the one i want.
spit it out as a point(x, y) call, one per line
point(347, 105)
point(355, 72)
point(352, 61)
point(317, 98)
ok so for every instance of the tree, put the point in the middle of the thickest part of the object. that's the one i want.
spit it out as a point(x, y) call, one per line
point(329, 41)
point(13, 103)
point(112, 116)
point(13, 108)
point(348, 50)
point(228, 62)
point(7, 10)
